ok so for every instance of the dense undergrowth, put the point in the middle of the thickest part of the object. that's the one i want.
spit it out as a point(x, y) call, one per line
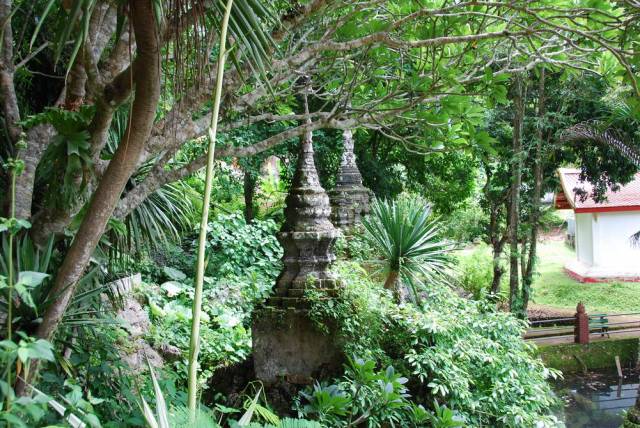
point(458, 353)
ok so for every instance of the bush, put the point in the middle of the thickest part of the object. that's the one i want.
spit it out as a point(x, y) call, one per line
point(235, 247)
point(475, 271)
point(460, 352)
point(378, 397)
point(407, 238)
point(226, 338)
point(354, 246)
point(551, 220)
point(244, 260)
point(466, 224)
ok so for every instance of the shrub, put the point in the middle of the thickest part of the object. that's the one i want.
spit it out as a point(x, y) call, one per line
point(235, 247)
point(459, 352)
point(409, 243)
point(225, 336)
point(551, 220)
point(354, 246)
point(475, 271)
point(466, 224)
point(378, 398)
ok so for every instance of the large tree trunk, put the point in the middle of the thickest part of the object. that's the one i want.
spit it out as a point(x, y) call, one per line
point(498, 271)
point(514, 194)
point(392, 280)
point(146, 76)
point(52, 222)
point(527, 279)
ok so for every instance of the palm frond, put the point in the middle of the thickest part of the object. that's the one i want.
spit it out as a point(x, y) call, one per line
point(187, 28)
point(159, 220)
point(592, 131)
point(408, 240)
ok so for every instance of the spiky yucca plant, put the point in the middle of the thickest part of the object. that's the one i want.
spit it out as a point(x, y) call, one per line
point(407, 237)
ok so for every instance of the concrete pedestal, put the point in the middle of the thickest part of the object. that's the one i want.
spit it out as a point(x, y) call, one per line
point(288, 347)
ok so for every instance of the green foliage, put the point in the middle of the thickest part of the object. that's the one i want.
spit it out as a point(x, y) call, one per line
point(243, 261)
point(158, 221)
point(465, 224)
point(475, 271)
point(550, 220)
point(35, 282)
point(224, 337)
point(235, 247)
point(354, 246)
point(360, 307)
point(444, 417)
point(165, 416)
point(408, 241)
point(460, 352)
point(97, 368)
point(364, 395)
point(66, 167)
point(270, 197)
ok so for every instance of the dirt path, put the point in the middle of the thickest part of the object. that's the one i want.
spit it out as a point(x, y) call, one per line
point(620, 326)
point(537, 311)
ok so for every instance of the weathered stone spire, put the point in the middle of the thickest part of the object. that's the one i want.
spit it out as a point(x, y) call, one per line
point(287, 345)
point(349, 199)
point(307, 234)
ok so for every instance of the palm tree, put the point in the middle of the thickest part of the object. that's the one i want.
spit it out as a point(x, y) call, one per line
point(407, 237)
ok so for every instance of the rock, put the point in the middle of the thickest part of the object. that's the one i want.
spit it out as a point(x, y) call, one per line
point(141, 352)
point(134, 317)
point(135, 320)
point(124, 286)
point(170, 352)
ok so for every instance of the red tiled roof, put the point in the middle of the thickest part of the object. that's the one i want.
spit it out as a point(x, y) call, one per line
point(625, 199)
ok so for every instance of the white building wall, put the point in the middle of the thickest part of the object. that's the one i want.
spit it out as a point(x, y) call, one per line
point(584, 238)
point(612, 244)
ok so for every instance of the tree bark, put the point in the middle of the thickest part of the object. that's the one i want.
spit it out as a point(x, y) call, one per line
point(495, 237)
point(527, 279)
point(392, 280)
point(37, 140)
point(498, 271)
point(514, 194)
point(47, 223)
point(392, 283)
point(10, 109)
point(146, 76)
point(249, 194)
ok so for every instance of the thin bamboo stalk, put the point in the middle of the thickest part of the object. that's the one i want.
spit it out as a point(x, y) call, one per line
point(194, 342)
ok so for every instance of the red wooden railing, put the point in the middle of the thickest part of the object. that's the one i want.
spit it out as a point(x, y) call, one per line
point(582, 327)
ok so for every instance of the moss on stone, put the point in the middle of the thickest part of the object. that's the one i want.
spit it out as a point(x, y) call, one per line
point(573, 358)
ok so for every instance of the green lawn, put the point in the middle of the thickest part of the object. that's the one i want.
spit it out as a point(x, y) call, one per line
point(553, 287)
